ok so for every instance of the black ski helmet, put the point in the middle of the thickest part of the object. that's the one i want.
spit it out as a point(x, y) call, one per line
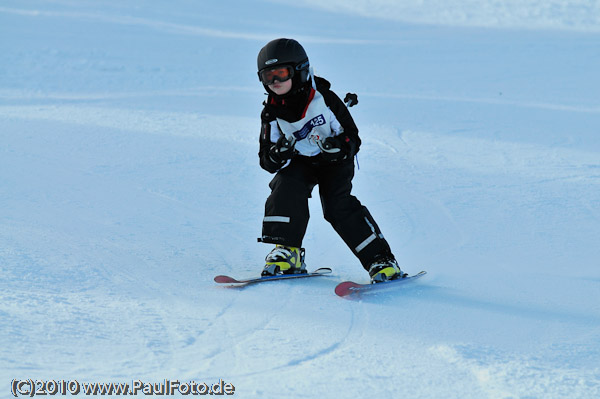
point(285, 52)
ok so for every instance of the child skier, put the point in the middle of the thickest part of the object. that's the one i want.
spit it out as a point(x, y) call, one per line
point(309, 138)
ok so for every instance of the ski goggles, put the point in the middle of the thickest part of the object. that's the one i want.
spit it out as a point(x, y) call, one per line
point(280, 73)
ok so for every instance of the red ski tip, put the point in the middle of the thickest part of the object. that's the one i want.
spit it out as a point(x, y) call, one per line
point(346, 288)
point(225, 280)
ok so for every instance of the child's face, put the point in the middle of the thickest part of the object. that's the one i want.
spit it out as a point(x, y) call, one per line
point(280, 88)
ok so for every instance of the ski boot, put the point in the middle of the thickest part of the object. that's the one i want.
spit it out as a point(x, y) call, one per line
point(385, 268)
point(284, 260)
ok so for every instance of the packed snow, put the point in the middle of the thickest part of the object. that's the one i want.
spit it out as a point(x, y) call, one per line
point(129, 178)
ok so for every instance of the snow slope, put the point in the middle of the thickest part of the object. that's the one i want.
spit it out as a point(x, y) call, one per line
point(577, 15)
point(129, 179)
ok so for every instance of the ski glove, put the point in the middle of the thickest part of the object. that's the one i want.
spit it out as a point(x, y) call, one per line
point(335, 149)
point(282, 151)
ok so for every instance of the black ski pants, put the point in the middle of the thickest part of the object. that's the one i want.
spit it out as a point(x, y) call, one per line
point(287, 214)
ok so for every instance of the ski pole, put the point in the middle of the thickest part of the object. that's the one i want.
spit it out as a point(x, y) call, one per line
point(351, 99)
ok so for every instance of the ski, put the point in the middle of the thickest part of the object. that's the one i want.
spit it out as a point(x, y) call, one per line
point(350, 287)
point(230, 280)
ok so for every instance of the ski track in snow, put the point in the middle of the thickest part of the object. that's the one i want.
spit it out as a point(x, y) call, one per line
point(162, 339)
point(229, 347)
point(172, 28)
point(122, 198)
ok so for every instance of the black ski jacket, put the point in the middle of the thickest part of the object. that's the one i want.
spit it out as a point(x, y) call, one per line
point(334, 103)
